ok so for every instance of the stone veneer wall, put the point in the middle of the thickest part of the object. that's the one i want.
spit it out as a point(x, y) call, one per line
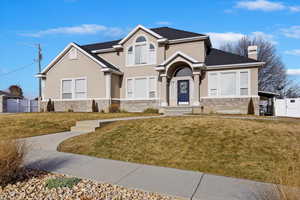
point(227, 105)
point(138, 105)
point(77, 106)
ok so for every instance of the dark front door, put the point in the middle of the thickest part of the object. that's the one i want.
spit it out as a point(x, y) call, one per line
point(183, 92)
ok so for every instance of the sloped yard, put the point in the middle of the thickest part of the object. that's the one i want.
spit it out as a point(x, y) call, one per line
point(32, 124)
point(252, 149)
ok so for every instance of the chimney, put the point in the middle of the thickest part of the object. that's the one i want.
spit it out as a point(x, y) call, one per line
point(252, 52)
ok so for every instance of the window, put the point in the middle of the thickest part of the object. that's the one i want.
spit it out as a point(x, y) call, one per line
point(74, 88)
point(185, 71)
point(80, 88)
point(213, 84)
point(73, 54)
point(130, 56)
point(244, 84)
point(152, 54)
point(228, 84)
point(67, 89)
point(130, 88)
point(140, 91)
point(141, 88)
point(141, 39)
point(142, 52)
point(152, 87)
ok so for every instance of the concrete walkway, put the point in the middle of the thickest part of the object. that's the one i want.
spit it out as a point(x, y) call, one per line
point(169, 181)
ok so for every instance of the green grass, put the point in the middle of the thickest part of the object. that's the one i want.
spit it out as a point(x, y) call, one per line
point(33, 124)
point(62, 182)
point(250, 149)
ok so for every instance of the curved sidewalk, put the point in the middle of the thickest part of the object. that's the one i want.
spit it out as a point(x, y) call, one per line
point(174, 182)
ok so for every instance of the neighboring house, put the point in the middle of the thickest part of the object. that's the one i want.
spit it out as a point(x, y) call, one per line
point(162, 68)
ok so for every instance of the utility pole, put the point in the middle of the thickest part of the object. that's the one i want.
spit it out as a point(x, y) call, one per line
point(39, 60)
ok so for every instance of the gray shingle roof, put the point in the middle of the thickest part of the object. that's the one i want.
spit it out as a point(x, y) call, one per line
point(219, 57)
point(167, 32)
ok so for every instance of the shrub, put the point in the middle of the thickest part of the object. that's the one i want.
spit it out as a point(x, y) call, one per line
point(12, 153)
point(95, 106)
point(49, 106)
point(52, 107)
point(62, 182)
point(70, 110)
point(151, 110)
point(251, 107)
point(114, 108)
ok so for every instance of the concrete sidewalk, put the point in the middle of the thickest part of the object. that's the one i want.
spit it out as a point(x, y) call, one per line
point(169, 181)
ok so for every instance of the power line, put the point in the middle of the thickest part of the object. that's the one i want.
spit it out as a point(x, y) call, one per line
point(16, 70)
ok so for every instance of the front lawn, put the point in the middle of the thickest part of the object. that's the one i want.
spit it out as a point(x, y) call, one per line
point(251, 149)
point(32, 124)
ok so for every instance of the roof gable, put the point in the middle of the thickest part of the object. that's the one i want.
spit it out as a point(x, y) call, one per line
point(102, 63)
point(138, 28)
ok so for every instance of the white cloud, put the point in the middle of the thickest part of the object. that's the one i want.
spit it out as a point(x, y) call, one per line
point(295, 52)
point(165, 23)
point(219, 39)
point(263, 5)
point(294, 8)
point(292, 32)
point(293, 72)
point(78, 30)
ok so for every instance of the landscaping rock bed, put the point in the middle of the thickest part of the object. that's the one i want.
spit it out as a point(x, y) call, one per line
point(31, 184)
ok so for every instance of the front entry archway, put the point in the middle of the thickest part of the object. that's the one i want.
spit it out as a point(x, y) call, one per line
point(181, 86)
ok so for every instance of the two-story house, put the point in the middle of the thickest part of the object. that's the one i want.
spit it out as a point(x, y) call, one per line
point(161, 68)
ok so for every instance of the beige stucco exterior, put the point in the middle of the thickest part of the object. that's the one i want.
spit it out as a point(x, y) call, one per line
point(81, 67)
point(97, 85)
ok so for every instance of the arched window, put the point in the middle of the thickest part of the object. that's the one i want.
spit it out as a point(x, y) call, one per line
point(141, 39)
point(141, 52)
point(184, 71)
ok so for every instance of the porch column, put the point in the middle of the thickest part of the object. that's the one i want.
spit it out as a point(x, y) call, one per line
point(164, 101)
point(108, 85)
point(196, 89)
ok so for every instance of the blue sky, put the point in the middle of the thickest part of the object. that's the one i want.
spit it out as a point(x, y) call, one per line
point(55, 23)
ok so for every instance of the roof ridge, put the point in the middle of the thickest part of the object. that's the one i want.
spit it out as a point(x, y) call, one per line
point(178, 30)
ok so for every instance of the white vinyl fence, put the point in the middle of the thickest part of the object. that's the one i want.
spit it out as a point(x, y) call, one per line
point(21, 105)
point(287, 107)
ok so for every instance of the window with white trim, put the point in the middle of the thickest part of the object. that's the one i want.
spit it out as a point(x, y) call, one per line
point(152, 87)
point(229, 83)
point(244, 87)
point(141, 88)
point(141, 52)
point(80, 88)
point(152, 54)
point(74, 88)
point(212, 84)
point(67, 89)
point(130, 88)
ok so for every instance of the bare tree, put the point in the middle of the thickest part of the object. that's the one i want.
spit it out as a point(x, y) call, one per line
point(16, 90)
point(272, 77)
